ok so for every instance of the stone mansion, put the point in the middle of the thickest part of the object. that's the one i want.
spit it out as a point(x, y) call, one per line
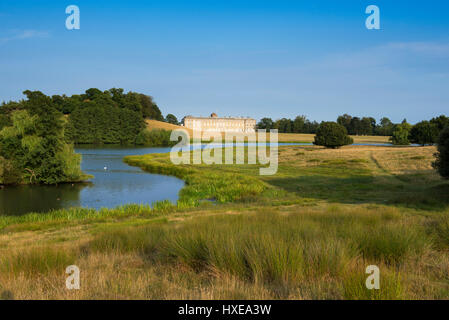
point(216, 124)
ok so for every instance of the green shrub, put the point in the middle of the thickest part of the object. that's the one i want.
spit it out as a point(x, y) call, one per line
point(442, 162)
point(8, 173)
point(332, 135)
point(154, 138)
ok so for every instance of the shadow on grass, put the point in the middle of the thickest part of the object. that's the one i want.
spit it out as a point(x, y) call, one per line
point(403, 190)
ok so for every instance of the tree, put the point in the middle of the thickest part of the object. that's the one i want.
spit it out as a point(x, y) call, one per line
point(266, 123)
point(424, 133)
point(311, 126)
point(401, 133)
point(356, 127)
point(150, 109)
point(368, 124)
point(442, 162)
point(298, 124)
point(345, 121)
point(284, 125)
point(385, 128)
point(441, 122)
point(33, 146)
point(332, 135)
point(170, 118)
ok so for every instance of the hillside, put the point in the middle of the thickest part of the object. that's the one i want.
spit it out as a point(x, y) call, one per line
point(154, 124)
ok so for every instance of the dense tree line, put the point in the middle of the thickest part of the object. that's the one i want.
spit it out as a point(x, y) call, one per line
point(353, 125)
point(109, 117)
point(105, 118)
point(299, 125)
point(99, 117)
point(423, 133)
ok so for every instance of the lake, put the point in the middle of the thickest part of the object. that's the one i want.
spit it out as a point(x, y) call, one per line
point(118, 185)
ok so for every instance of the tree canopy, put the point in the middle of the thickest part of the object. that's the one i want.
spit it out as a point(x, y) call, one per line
point(170, 118)
point(106, 117)
point(424, 132)
point(32, 145)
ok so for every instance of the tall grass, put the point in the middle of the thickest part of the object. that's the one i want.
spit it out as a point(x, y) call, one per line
point(37, 261)
point(83, 214)
point(283, 252)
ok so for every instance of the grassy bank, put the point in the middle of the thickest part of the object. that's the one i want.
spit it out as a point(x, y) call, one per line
point(307, 232)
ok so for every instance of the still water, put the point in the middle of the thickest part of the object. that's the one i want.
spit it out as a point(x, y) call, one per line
point(118, 185)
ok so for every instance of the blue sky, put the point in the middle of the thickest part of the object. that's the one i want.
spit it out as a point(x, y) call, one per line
point(237, 58)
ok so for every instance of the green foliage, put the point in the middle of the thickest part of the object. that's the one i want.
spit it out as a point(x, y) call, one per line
point(170, 118)
point(154, 138)
point(401, 134)
point(298, 124)
point(385, 128)
point(442, 161)
point(357, 126)
point(284, 125)
point(150, 109)
point(9, 174)
point(332, 135)
point(109, 117)
point(266, 123)
point(441, 122)
point(424, 133)
point(33, 149)
point(104, 124)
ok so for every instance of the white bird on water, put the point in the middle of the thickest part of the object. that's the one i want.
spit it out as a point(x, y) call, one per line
point(105, 168)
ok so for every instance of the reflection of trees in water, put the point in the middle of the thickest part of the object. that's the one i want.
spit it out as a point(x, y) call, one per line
point(23, 199)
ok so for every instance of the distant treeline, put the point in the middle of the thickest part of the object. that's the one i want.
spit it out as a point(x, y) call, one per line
point(299, 125)
point(354, 125)
point(359, 126)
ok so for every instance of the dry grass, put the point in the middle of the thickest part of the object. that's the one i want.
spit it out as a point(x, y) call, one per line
point(303, 137)
point(292, 252)
point(154, 124)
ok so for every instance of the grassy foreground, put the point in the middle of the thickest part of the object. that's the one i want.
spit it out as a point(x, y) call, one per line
point(307, 232)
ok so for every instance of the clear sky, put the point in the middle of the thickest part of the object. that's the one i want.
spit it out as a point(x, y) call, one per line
point(238, 58)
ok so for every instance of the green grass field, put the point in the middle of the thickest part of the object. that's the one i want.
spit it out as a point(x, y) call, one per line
point(308, 232)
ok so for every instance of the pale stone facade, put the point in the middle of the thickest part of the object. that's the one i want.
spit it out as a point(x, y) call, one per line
point(216, 124)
